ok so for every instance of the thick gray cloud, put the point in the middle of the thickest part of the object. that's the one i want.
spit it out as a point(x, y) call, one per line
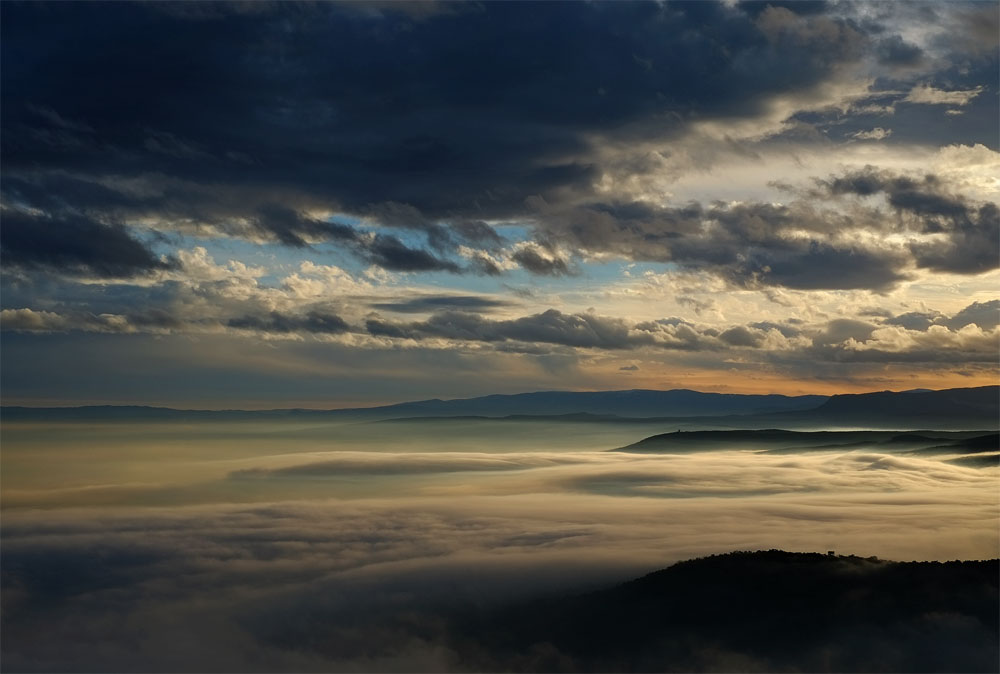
point(313, 321)
point(750, 244)
point(389, 252)
point(549, 141)
point(984, 314)
point(740, 336)
point(436, 303)
point(585, 330)
point(289, 227)
point(754, 244)
point(972, 231)
point(842, 329)
point(537, 264)
point(551, 327)
point(968, 337)
point(74, 245)
point(785, 329)
point(914, 320)
point(270, 90)
point(27, 320)
point(284, 127)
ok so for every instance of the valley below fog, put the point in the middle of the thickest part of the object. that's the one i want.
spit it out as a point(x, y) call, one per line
point(255, 545)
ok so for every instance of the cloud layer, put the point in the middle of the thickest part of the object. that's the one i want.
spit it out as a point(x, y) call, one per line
point(535, 181)
point(343, 548)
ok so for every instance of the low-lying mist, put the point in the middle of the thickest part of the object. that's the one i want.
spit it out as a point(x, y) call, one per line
point(320, 547)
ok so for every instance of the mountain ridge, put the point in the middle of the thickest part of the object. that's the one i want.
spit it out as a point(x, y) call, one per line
point(955, 404)
point(685, 401)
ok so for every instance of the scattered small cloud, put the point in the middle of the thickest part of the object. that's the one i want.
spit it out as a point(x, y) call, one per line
point(878, 133)
point(928, 95)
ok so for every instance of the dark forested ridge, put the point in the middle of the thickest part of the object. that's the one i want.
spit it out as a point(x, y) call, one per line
point(758, 611)
point(953, 403)
point(779, 440)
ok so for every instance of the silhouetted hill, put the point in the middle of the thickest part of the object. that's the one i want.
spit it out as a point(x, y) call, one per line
point(634, 403)
point(757, 611)
point(930, 442)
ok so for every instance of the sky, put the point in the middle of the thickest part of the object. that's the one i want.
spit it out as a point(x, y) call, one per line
point(327, 205)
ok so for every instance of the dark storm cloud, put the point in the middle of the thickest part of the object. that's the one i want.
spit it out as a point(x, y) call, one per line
point(477, 232)
point(289, 227)
point(390, 253)
point(740, 336)
point(895, 51)
point(786, 330)
point(436, 303)
point(313, 322)
point(534, 262)
point(835, 341)
point(973, 246)
point(405, 216)
point(940, 62)
point(814, 266)
point(842, 329)
point(983, 354)
point(918, 338)
point(73, 200)
point(984, 314)
point(408, 118)
point(586, 330)
point(74, 245)
point(430, 122)
point(751, 244)
point(972, 231)
point(383, 250)
point(755, 244)
point(550, 327)
point(925, 198)
point(158, 321)
point(914, 320)
point(804, 7)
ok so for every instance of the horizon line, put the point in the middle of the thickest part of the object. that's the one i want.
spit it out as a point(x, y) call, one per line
point(421, 400)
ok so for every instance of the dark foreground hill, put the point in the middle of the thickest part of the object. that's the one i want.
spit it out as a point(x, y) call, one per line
point(757, 611)
point(978, 443)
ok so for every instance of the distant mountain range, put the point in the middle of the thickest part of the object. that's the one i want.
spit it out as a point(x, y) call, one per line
point(972, 407)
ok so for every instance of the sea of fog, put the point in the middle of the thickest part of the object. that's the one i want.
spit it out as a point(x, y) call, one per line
point(283, 545)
